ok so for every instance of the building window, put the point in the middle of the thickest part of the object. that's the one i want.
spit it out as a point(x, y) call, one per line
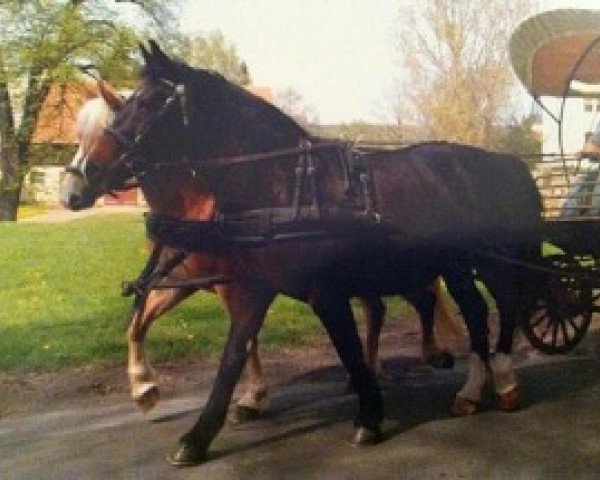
point(37, 177)
point(591, 105)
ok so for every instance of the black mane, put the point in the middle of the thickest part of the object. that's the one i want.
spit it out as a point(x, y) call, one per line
point(227, 116)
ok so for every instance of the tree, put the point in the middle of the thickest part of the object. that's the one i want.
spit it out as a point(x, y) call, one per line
point(213, 52)
point(42, 43)
point(457, 78)
point(518, 136)
point(292, 103)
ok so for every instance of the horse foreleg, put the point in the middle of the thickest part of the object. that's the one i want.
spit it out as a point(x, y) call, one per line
point(247, 308)
point(374, 312)
point(255, 399)
point(336, 315)
point(143, 387)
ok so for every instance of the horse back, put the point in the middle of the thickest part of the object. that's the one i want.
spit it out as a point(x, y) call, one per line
point(445, 193)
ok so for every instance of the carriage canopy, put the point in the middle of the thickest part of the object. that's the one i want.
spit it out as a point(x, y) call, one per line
point(557, 53)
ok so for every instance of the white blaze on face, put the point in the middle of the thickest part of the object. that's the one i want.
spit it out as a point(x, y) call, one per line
point(94, 117)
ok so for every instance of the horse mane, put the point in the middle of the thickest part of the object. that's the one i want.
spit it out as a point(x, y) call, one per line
point(93, 117)
point(232, 106)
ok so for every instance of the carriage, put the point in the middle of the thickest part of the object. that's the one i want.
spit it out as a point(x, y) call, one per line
point(256, 206)
point(557, 54)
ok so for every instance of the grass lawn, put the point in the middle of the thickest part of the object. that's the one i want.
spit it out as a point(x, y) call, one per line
point(61, 305)
point(30, 209)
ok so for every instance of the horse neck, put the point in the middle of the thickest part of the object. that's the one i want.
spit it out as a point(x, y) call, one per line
point(252, 132)
point(174, 198)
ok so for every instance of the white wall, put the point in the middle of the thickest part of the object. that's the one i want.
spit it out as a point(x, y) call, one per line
point(41, 184)
point(576, 122)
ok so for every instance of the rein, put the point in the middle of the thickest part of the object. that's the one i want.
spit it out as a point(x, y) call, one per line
point(130, 165)
point(304, 148)
point(306, 217)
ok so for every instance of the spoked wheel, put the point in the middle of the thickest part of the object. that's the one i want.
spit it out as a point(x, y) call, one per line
point(562, 313)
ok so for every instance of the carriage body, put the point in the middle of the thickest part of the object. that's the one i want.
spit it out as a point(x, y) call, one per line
point(557, 54)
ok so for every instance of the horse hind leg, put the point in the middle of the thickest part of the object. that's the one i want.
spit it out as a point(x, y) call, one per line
point(474, 309)
point(504, 287)
point(432, 310)
point(143, 387)
point(255, 400)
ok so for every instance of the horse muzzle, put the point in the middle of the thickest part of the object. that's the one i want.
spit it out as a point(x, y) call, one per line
point(75, 193)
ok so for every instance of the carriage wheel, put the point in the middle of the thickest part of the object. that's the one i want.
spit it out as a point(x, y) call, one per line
point(561, 315)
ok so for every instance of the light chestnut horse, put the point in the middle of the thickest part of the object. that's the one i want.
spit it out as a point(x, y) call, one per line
point(432, 306)
point(412, 215)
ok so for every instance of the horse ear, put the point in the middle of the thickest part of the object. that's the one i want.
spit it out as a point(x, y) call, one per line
point(145, 53)
point(154, 47)
point(110, 96)
point(158, 55)
point(158, 64)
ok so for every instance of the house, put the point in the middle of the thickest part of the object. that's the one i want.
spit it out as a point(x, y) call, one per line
point(54, 143)
point(578, 118)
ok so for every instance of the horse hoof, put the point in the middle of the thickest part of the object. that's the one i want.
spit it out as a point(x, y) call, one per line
point(367, 436)
point(244, 414)
point(187, 456)
point(463, 407)
point(442, 360)
point(147, 398)
point(509, 401)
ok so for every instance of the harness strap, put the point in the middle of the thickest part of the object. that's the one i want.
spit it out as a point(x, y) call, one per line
point(151, 275)
point(138, 285)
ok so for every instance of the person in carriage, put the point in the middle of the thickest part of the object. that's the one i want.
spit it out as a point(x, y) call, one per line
point(583, 197)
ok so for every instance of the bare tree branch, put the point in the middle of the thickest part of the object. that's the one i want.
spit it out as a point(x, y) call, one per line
point(457, 75)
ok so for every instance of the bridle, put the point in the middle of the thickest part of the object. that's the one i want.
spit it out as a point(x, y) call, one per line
point(130, 164)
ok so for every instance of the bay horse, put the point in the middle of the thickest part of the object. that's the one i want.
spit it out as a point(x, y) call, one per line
point(273, 210)
point(98, 113)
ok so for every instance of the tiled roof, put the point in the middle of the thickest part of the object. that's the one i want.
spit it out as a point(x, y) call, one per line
point(263, 92)
point(56, 122)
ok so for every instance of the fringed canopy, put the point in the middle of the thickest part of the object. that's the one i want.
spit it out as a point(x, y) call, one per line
point(557, 53)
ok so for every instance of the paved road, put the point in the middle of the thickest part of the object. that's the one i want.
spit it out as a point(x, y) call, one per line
point(555, 435)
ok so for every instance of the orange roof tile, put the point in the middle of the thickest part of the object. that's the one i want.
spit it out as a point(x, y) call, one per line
point(58, 115)
point(263, 92)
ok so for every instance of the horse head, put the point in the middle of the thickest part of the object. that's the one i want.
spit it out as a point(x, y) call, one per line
point(77, 190)
point(178, 116)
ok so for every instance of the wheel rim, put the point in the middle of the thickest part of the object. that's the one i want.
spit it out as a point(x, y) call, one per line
point(560, 319)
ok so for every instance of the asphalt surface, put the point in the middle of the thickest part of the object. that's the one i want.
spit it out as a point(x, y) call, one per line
point(555, 435)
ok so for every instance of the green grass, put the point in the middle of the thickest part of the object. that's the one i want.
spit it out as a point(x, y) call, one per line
point(61, 305)
point(30, 209)
point(59, 290)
